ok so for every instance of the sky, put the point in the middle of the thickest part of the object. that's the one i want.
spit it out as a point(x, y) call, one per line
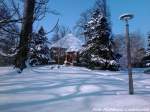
point(70, 11)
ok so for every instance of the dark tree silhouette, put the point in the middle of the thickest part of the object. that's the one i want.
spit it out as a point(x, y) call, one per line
point(39, 52)
point(25, 35)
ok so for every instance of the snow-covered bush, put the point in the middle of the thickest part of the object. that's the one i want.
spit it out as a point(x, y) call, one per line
point(147, 56)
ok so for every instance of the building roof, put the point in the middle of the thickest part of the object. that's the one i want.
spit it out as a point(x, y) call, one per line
point(69, 42)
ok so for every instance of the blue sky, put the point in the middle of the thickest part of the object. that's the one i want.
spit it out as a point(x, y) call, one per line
point(71, 9)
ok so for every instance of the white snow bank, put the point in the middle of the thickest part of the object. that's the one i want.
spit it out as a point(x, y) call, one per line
point(71, 89)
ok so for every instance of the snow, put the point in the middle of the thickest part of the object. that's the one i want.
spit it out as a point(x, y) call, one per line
point(70, 42)
point(72, 89)
point(147, 64)
point(97, 59)
point(73, 49)
point(6, 54)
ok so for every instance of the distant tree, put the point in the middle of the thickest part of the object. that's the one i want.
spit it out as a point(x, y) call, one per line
point(137, 49)
point(98, 52)
point(79, 27)
point(55, 37)
point(147, 56)
point(8, 36)
point(59, 32)
point(64, 31)
point(39, 52)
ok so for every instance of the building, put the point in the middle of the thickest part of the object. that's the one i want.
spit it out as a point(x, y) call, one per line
point(65, 50)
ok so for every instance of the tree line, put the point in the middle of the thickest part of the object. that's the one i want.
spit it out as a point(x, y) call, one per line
point(20, 45)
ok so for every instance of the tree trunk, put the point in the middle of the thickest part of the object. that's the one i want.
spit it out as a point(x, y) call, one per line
point(25, 35)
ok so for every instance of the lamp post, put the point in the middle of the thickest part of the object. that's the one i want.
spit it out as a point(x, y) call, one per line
point(126, 18)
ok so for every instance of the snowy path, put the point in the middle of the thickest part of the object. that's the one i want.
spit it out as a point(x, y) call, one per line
point(71, 89)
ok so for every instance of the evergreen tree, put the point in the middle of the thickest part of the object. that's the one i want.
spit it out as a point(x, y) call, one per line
point(39, 51)
point(98, 52)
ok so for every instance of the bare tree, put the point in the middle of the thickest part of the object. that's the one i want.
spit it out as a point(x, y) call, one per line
point(8, 37)
point(137, 49)
point(59, 32)
point(34, 10)
point(64, 31)
point(25, 35)
point(79, 27)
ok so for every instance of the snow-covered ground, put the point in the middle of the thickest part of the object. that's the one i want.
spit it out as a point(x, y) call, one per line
point(72, 89)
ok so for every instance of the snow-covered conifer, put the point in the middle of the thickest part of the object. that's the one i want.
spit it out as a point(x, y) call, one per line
point(39, 51)
point(98, 51)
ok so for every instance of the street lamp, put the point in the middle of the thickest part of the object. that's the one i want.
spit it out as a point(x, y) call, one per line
point(126, 18)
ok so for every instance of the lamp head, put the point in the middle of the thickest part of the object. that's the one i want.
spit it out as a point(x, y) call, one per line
point(126, 16)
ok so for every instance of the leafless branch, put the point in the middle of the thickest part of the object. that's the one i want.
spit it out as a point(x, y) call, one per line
point(53, 27)
point(16, 8)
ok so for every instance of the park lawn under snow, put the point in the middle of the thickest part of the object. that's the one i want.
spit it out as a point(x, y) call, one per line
point(71, 89)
